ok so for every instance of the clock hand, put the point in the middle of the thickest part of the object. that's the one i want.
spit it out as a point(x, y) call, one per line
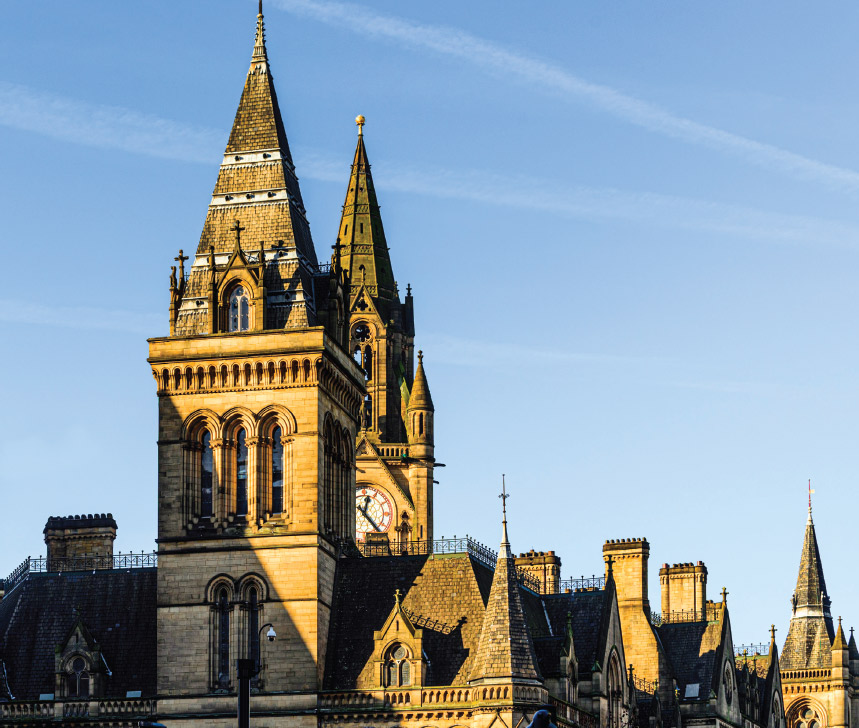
point(367, 516)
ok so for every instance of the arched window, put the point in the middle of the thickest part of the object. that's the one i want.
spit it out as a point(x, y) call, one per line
point(206, 477)
point(241, 474)
point(398, 670)
point(421, 423)
point(368, 363)
point(615, 694)
point(277, 471)
point(239, 310)
point(223, 638)
point(78, 679)
point(368, 412)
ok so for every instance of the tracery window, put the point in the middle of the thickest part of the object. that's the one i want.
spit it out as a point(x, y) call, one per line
point(241, 473)
point(807, 718)
point(398, 669)
point(277, 471)
point(239, 310)
point(206, 476)
point(78, 679)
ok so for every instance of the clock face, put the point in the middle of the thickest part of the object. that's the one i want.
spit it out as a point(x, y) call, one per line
point(374, 511)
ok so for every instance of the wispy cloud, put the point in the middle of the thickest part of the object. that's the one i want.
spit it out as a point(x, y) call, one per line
point(102, 319)
point(501, 61)
point(105, 127)
point(114, 127)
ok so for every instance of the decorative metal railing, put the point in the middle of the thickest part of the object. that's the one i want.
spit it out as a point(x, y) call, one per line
point(43, 565)
point(644, 686)
point(711, 613)
point(467, 545)
point(584, 582)
point(751, 650)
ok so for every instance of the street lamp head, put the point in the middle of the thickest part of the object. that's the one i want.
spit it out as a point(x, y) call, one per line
point(271, 634)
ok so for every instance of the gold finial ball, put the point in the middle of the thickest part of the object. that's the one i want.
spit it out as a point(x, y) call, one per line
point(359, 120)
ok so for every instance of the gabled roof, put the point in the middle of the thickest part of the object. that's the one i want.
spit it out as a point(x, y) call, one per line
point(118, 609)
point(695, 652)
point(590, 613)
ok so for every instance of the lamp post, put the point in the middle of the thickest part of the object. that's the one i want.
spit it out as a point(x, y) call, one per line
point(247, 670)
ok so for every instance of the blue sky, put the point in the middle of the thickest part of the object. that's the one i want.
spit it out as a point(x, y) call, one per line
point(631, 230)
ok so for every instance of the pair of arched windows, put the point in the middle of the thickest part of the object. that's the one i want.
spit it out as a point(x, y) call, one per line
point(398, 668)
point(241, 479)
point(251, 607)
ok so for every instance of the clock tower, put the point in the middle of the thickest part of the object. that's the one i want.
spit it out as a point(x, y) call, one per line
point(395, 457)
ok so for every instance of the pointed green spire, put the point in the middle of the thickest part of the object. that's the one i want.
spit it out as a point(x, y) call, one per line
point(362, 235)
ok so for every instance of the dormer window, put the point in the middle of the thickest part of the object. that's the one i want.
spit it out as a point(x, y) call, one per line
point(78, 678)
point(239, 310)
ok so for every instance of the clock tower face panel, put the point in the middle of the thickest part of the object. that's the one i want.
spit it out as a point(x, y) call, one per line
point(374, 511)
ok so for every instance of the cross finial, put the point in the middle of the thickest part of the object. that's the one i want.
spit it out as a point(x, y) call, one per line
point(772, 632)
point(810, 491)
point(408, 289)
point(181, 258)
point(397, 594)
point(238, 230)
point(504, 495)
point(724, 595)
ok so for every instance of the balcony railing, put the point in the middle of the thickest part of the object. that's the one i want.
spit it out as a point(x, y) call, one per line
point(711, 613)
point(467, 545)
point(584, 582)
point(751, 650)
point(44, 565)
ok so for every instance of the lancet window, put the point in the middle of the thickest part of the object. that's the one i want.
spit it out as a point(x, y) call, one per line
point(239, 310)
point(223, 638)
point(206, 476)
point(277, 471)
point(241, 473)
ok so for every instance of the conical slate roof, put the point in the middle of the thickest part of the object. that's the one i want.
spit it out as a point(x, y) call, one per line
point(505, 650)
point(810, 635)
point(362, 235)
point(420, 397)
point(810, 584)
point(256, 204)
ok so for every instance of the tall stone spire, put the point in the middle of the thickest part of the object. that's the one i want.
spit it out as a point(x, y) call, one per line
point(505, 652)
point(811, 631)
point(258, 195)
point(810, 585)
point(365, 250)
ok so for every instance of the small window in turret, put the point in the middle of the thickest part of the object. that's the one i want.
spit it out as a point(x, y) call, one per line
point(239, 311)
